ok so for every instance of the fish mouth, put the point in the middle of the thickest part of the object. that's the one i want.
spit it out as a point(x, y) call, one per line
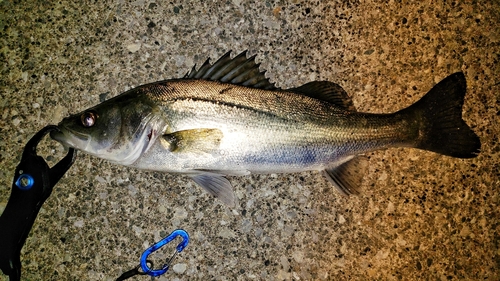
point(68, 137)
point(57, 135)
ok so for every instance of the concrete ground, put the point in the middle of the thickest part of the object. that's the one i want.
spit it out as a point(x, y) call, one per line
point(421, 216)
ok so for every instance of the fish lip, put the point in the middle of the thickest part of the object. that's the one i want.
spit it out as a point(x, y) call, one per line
point(61, 135)
point(57, 135)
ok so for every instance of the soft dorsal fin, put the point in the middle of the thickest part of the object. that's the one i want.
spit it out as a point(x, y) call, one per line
point(239, 70)
point(326, 91)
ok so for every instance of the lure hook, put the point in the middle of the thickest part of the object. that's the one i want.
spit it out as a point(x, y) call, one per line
point(144, 257)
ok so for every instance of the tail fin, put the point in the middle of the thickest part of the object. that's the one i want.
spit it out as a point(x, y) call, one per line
point(442, 128)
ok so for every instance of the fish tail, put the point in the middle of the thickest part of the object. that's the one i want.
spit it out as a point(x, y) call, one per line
point(441, 127)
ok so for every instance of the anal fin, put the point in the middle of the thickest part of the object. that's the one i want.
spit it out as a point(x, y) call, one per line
point(348, 176)
point(218, 186)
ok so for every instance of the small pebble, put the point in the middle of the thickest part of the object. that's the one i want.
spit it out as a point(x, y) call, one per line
point(79, 223)
point(16, 122)
point(180, 268)
point(341, 219)
point(134, 47)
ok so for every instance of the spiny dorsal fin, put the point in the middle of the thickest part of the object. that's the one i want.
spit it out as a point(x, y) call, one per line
point(326, 91)
point(239, 70)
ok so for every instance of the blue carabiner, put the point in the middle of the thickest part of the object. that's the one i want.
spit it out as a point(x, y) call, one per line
point(157, 272)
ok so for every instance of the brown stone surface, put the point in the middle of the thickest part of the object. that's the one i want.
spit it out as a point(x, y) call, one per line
point(422, 216)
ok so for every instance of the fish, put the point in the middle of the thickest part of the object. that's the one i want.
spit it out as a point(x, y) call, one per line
point(228, 119)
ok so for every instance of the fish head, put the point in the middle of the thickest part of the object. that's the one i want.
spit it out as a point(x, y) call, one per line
point(117, 130)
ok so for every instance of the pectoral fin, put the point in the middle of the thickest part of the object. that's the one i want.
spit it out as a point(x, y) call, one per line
point(195, 140)
point(218, 186)
point(348, 176)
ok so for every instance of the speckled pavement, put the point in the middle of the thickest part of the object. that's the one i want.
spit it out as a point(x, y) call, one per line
point(422, 216)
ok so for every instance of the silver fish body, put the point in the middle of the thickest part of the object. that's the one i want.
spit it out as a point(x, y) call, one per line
point(227, 119)
point(262, 131)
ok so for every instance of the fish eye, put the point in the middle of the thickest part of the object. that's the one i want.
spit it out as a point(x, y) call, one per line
point(88, 119)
